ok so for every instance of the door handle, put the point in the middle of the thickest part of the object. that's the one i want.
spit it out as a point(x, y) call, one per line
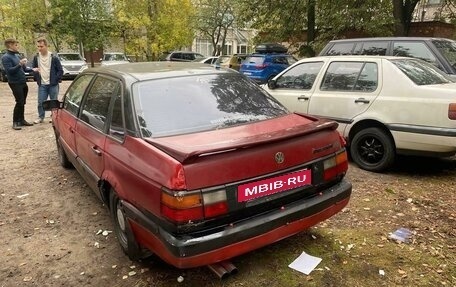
point(71, 130)
point(362, 100)
point(96, 151)
point(303, 98)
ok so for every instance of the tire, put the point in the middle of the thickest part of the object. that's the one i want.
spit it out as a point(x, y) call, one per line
point(123, 230)
point(63, 159)
point(373, 149)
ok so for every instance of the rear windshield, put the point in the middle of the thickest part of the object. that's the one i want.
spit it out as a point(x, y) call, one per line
point(190, 104)
point(257, 60)
point(448, 49)
point(420, 72)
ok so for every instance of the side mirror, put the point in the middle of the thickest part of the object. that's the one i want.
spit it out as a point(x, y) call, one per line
point(101, 59)
point(52, 104)
point(272, 84)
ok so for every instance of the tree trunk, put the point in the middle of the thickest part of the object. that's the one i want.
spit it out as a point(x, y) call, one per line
point(402, 13)
point(311, 26)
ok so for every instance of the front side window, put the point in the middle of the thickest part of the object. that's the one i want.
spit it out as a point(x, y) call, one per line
point(350, 76)
point(174, 106)
point(73, 96)
point(376, 48)
point(420, 72)
point(300, 77)
point(96, 104)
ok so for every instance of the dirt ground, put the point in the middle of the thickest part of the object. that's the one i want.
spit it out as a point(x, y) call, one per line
point(51, 227)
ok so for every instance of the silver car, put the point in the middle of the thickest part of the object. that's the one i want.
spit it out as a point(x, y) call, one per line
point(72, 64)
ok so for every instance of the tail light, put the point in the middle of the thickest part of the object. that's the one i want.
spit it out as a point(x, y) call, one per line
point(452, 111)
point(336, 165)
point(260, 67)
point(184, 206)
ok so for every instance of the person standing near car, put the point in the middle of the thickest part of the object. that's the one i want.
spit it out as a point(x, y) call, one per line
point(48, 74)
point(15, 72)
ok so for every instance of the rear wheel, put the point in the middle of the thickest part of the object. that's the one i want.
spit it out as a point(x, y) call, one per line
point(123, 230)
point(372, 149)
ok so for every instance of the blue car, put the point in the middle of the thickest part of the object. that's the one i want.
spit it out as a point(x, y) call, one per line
point(261, 67)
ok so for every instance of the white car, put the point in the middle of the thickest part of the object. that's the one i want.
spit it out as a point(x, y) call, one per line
point(72, 64)
point(209, 60)
point(384, 105)
point(114, 59)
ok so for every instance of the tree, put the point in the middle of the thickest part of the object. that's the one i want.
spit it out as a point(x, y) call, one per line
point(152, 26)
point(213, 20)
point(306, 24)
point(87, 23)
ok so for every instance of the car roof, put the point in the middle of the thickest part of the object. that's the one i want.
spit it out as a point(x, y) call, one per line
point(388, 39)
point(353, 58)
point(156, 70)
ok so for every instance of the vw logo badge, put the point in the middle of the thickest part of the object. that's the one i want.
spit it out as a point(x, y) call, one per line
point(279, 157)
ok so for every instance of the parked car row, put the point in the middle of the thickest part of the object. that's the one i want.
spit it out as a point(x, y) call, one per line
point(199, 164)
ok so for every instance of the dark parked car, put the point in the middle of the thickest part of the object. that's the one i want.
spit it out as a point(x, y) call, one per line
point(28, 73)
point(440, 52)
point(197, 164)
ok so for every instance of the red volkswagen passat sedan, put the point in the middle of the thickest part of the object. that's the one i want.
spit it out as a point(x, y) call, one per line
point(197, 164)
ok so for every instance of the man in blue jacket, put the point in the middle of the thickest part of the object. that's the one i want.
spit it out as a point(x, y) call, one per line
point(15, 72)
point(48, 74)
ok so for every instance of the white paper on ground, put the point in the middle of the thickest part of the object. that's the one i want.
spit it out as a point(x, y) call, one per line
point(305, 263)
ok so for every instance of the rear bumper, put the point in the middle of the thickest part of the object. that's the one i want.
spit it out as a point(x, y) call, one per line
point(186, 251)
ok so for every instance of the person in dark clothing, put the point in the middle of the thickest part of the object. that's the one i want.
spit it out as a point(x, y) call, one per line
point(15, 72)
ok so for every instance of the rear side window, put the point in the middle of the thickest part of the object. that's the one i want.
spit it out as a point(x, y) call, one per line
point(350, 76)
point(280, 60)
point(300, 77)
point(340, 49)
point(73, 97)
point(421, 73)
point(176, 56)
point(447, 49)
point(415, 50)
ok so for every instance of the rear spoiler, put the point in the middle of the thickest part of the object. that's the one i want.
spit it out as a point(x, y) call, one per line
point(184, 156)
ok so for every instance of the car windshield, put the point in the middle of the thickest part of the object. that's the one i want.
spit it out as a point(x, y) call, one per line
point(420, 72)
point(448, 50)
point(70, 57)
point(114, 57)
point(181, 105)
